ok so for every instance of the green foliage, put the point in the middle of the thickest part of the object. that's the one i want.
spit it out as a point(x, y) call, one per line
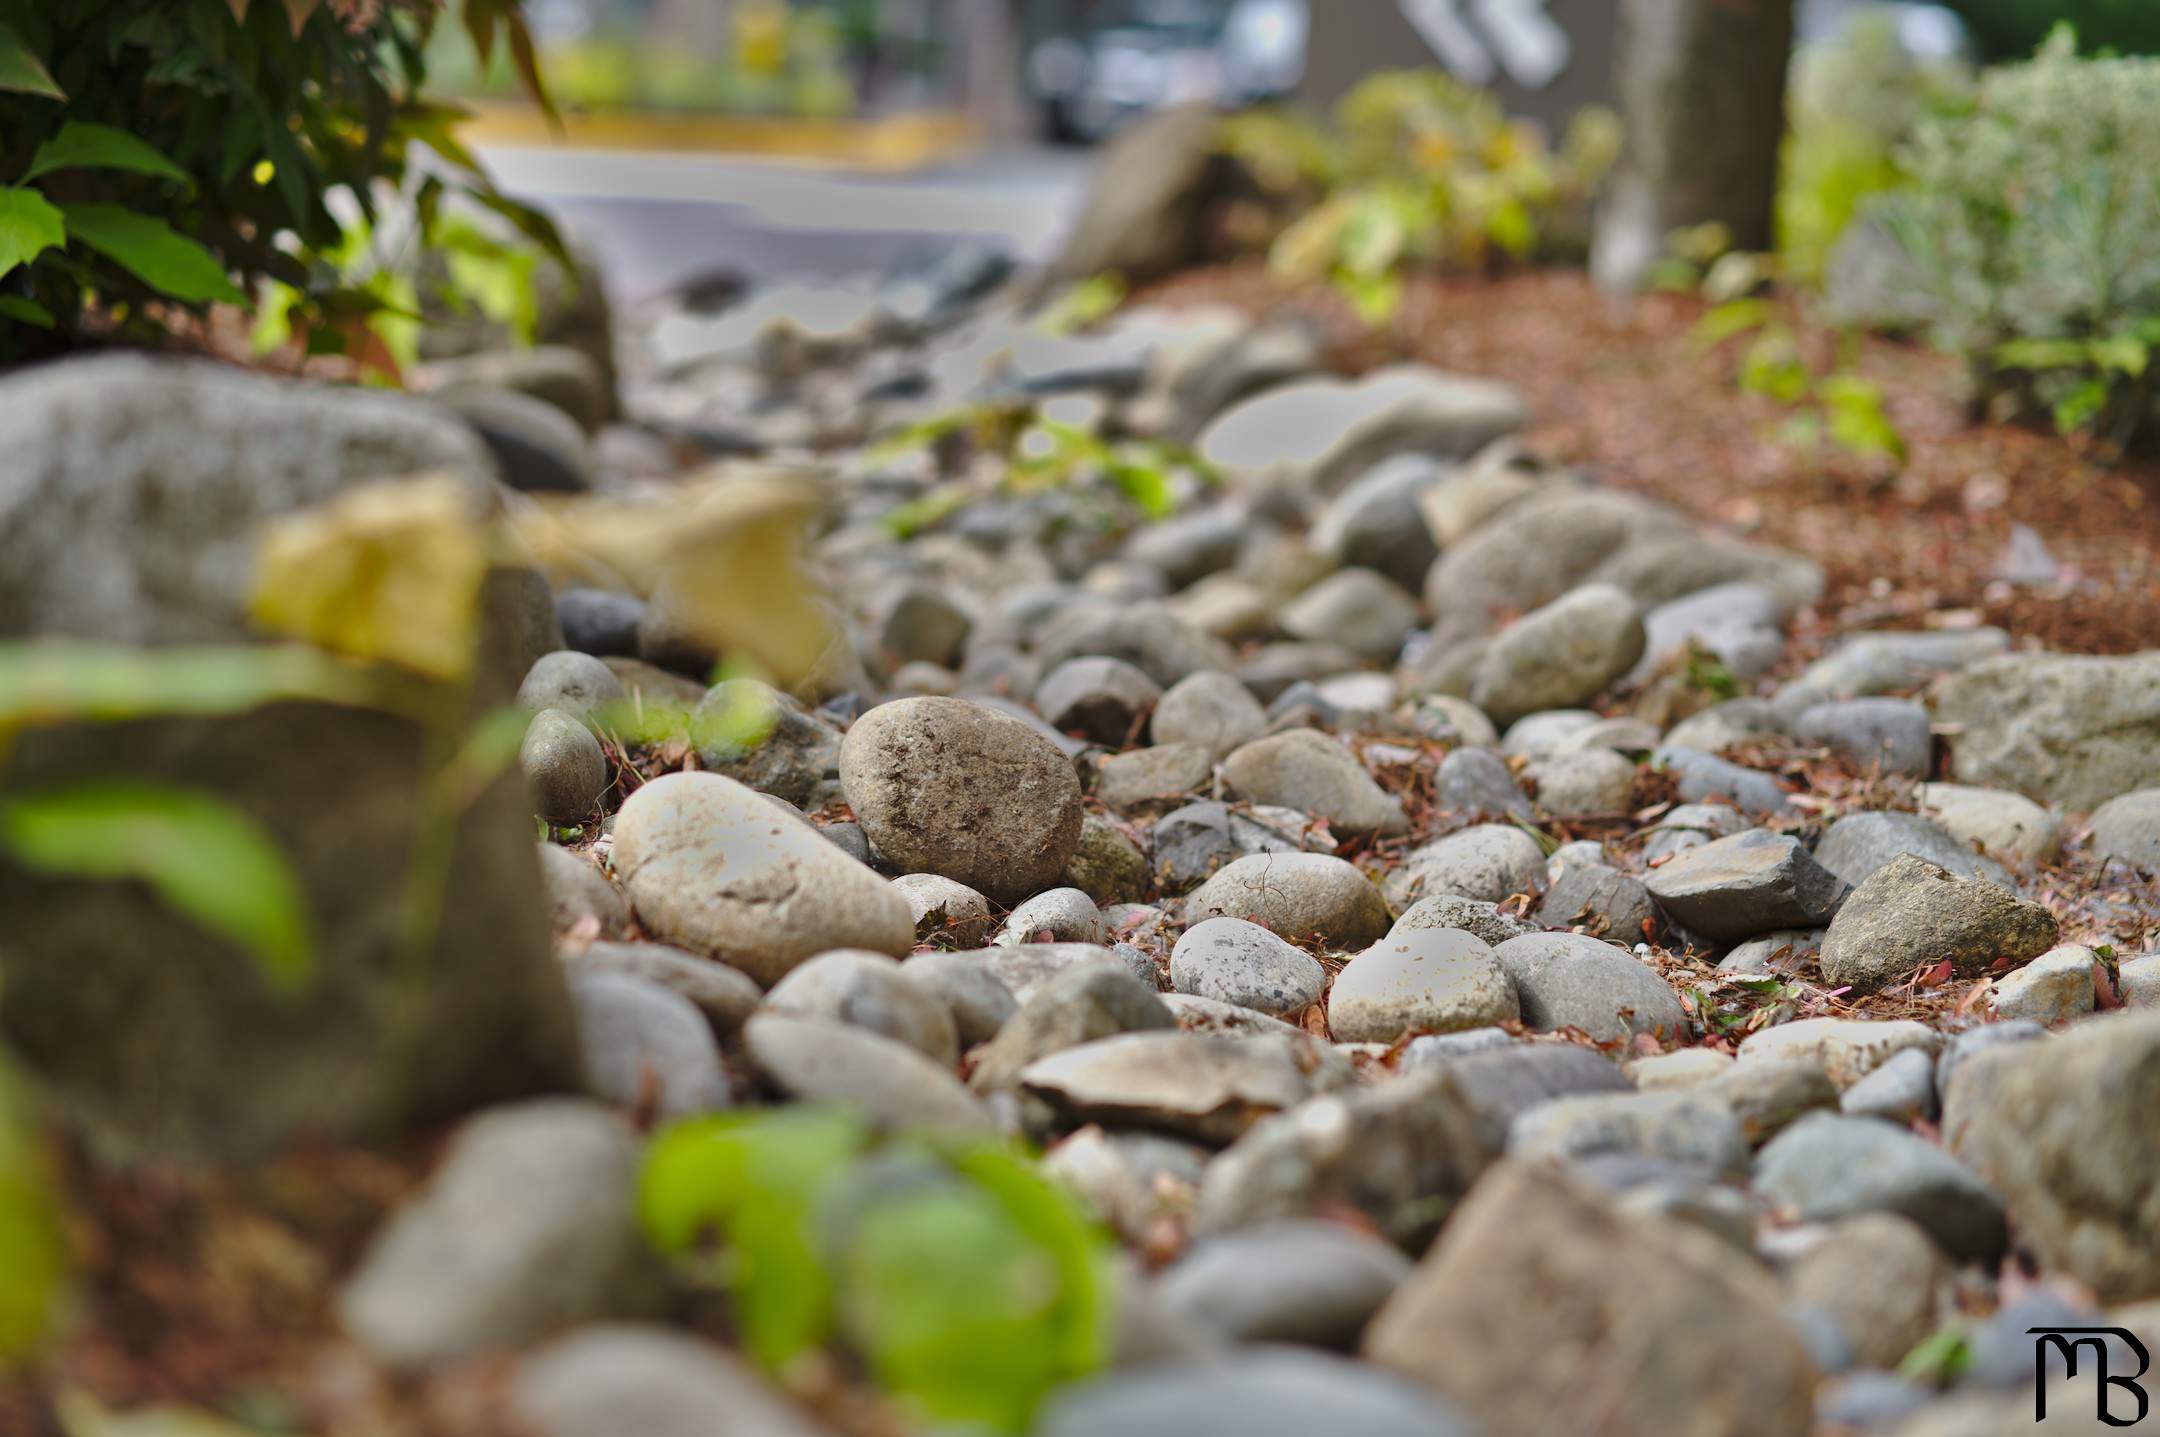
point(203, 858)
point(1080, 305)
point(1839, 405)
point(967, 1283)
point(33, 1246)
point(2030, 219)
point(1417, 168)
point(161, 158)
point(2008, 29)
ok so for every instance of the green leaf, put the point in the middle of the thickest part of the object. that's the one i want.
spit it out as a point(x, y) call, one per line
point(60, 681)
point(2124, 352)
point(153, 252)
point(81, 145)
point(1772, 367)
point(1858, 422)
point(204, 858)
point(25, 311)
point(2039, 354)
point(29, 225)
point(22, 71)
point(33, 1245)
point(2081, 406)
point(1731, 319)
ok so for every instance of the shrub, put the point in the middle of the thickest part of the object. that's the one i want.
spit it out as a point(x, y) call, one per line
point(1417, 167)
point(2031, 221)
point(161, 158)
point(2005, 29)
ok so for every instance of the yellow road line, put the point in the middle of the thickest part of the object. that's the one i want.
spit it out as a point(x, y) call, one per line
point(896, 142)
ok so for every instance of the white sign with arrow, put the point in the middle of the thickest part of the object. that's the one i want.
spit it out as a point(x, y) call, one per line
point(1512, 35)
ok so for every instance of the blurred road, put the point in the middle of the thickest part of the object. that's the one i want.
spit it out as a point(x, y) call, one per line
point(658, 218)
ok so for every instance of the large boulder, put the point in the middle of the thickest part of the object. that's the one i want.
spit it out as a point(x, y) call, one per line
point(1911, 912)
point(129, 510)
point(2065, 729)
point(1543, 1309)
point(1146, 202)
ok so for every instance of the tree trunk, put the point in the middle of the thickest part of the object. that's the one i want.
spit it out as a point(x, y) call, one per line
point(1702, 92)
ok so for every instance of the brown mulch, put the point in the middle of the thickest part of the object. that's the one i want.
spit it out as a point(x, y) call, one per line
point(1624, 389)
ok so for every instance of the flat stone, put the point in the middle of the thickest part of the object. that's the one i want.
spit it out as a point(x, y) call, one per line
point(1263, 1392)
point(528, 1225)
point(1680, 1069)
point(726, 996)
point(1208, 1087)
point(2127, 830)
point(1599, 900)
point(1702, 777)
point(1826, 1167)
point(1890, 735)
point(717, 869)
point(2071, 730)
point(1780, 950)
point(1561, 655)
point(1025, 967)
point(1472, 915)
point(1566, 980)
point(1910, 914)
point(2006, 825)
point(980, 1005)
point(647, 1047)
point(1858, 844)
point(1750, 883)
point(1154, 779)
point(1887, 663)
point(1083, 1004)
point(610, 1379)
point(1192, 842)
point(816, 1061)
point(1901, 1090)
point(1311, 1283)
point(1476, 783)
point(1583, 782)
point(1209, 709)
point(1366, 612)
point(2053, 988)
point(1314, 774)
point(1770, 1094)
point(1296, 895)
point(868, 990)
point(1427, 980)
point(1845, 1049)
point(1687, 1128)
point(1234, 961)
point(1489, 862)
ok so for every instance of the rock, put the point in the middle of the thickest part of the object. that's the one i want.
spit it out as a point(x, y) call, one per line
point(1910, 914)
point(1426, 980)
point(563, 766)
point(529, 1224)
point(1131, 1180)
point(1148, 636)
point(1297, 895)
point(1026, 968)
point(1194, 841)
point(1263, 1392)
point(580, 896)
point(1107, 868)
point(1722, 725)
point(1901, 1091)
point(1209, 709)
point(1780, 950)
point(1541, 735)
point(1316, 435)
point(950, 787)
point(1475, 783)
point(1888, 663)
point(1771, 1094)
point(868, 990)
point(1447, 719)
point(1187, 547)
point(918, 623)
point(1482, 578)
point(2060, 729)
point(1399, 1152)
point(1080, 1005)
point(1105, 700)
point(1876, 1275)
point(1364, 611)
point(2062, 1129)
point(1234, 961)
point(1702, 778)
point(569, 682)
point(1374, 522)
point(1204, 1086)
point(1196, 1014)
point(1586, 783)
point(1312, 1283)
point(1750, 883)
point(1875, 733)
point(750, 732)
point(849, 839)
point(980, 1005)
point(1559, 656)
point(2127, 830)
point(1845, 1049)
point(1566, 980)
point(1691, 825)
point(1490, 862)
point(1141, 216)
point(2007, 825)
point(1681, 1069)
point(1664, 1332)
point(564, 378)
point(1738, 624)
point(1061, 915)
point(134, 495)
point(1826, 1167)
point(1288, 676)
point(2053, 988)
point(1314, 774)
point(1687, 1128)
point(1472, 915)
point(538, 448)
point(889, 1082)
point(945, 912)
point(2139, 981)
point(726, 996)
point(1952, 1054)
point(1600, 901)
point(1154, 778)
point(605, 1380)
point(597, 622)
point(1860, 843)
point(717, 869)
point(647, 1047)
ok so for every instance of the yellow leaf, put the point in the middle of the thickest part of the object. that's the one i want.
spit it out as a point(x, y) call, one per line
point(389, 571)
